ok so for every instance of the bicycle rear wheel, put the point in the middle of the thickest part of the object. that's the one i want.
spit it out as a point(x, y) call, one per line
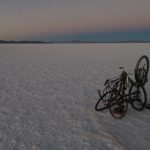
point(138, 97)
point(118, 107)
point(141, 70)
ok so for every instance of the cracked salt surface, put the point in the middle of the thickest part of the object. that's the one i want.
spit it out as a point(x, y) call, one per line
point(48, 94)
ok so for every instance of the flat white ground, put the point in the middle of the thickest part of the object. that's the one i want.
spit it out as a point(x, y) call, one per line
point(48, 94)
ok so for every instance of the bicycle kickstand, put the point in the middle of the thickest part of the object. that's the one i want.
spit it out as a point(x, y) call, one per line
point(99, 93)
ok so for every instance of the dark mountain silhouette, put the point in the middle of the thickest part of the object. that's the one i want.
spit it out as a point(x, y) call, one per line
point(20, 42)
point(73, 41)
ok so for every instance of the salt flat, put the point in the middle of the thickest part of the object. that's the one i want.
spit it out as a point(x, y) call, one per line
point(48, 94)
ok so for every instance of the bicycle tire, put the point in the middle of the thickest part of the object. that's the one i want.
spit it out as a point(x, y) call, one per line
point(136, 100)
point(118, 107)
point(141, 78)
point(104, 98)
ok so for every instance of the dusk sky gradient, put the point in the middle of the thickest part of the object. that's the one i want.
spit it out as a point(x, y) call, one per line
point(60, 20)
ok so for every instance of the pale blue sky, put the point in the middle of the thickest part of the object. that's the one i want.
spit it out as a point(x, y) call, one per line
point(45, 19)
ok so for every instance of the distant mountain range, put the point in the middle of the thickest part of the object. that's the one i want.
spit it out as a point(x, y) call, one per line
point(74, 41)
point(20, 42)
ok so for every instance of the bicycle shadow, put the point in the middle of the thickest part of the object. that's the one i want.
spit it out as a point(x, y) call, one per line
point(147, 106)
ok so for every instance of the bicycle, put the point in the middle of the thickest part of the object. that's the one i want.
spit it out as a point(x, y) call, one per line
point(115, 96)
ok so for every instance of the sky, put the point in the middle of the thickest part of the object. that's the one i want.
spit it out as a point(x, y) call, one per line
point(63, 20)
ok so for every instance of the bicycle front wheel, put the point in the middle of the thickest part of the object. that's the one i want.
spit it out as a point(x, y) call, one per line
point(103, 102)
